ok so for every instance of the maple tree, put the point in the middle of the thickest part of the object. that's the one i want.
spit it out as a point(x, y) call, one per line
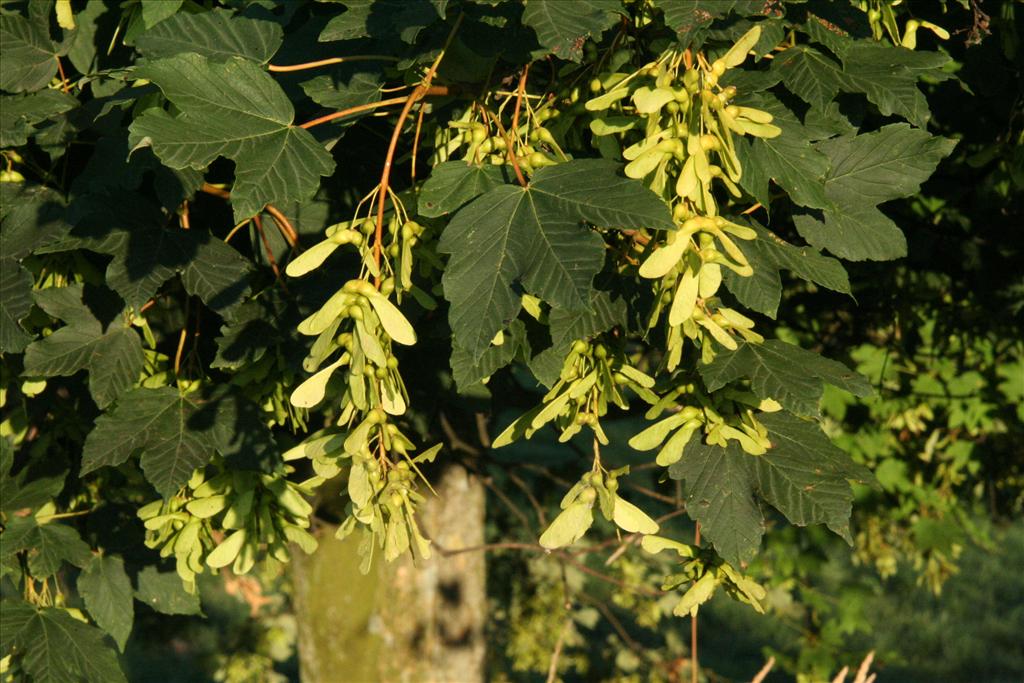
point(212, 289)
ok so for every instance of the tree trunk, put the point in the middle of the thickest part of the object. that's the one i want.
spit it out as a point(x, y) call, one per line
point(400, 622)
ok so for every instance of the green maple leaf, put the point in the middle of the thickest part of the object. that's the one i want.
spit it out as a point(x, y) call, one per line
point(453, 183)
point(15, 304)
point(236, 110)
point(217, 35)
point(533, 238)
point(23, 490)
point(146, 255)
point(791, 375)
point(19, 114)
point(170, 430)
point(865, 171)
point(107, 591)
point(110, 350)
point(803, 475)
point(48, 546)
point(768, 254)
point(720, 497)
point(788, 159)
point(163, 592)
point(54, 647)
point(563, 27)
point(30, 57)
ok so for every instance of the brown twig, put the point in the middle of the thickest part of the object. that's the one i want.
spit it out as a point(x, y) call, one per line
point(553, 666)
point(355, 110)
point(183, 217)
point(283, 224)
point(416, 143)
point(514, 131)
point(693, 623)
point(269, 251)
point(63, 79)
point(329, 61)
point(417, 94)
point(215, 191)
point(765, 670)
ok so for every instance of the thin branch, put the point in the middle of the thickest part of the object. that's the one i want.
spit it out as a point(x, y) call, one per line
point(63, 79)
point(355, 110)
point(269, 251)
point(419, 93)
point(283, 224)
point(330, 60)
point(514, 131)
point(765, 670)
point(553, 666)
point(693, 623)
point(215, 191)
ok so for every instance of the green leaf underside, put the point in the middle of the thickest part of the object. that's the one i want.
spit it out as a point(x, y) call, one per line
point(168, 429)
point(236, 110)
point(791, 375)
point(163, 592)
point(865, 171)
point(107, 592)
point(562, 27)
point(803, 475)
point(217, 35)
point(534, 238)
point(768, 254)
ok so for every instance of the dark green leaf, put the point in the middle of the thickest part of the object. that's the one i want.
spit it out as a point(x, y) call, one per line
point(789, 374)
point(217, 35)
point(112, 353)
point(155, 12)
point(164, 592)
point(719, 496)
point(146, 255)
point(563, 27)
point(107, 592)
point(804, 476)
point(15, 304)
point(809, 74)
point(24, 490)
point(343, 89)
point(20, 113)
point(48, 546)
point(236, 110)
point(514, 237)
point(33, 216)
point(888, 76)
point(867, 170)
point(454, 183)
point(54, 647)
point(690, 19)
point(468, 373)
point(788, 159)
point(161, 423)
point(768, 254)
point(30, 57)
point(382, 19)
